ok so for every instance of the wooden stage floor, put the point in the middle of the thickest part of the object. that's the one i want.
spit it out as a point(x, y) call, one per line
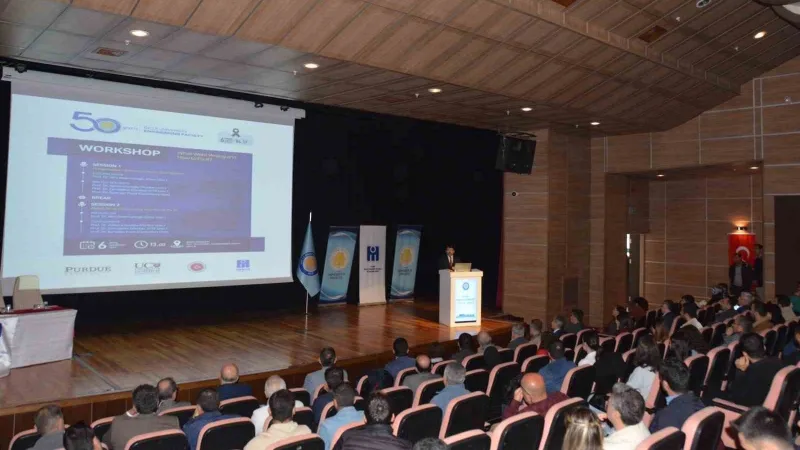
point(116, 360)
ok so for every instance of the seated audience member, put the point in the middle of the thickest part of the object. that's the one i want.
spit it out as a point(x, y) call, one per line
point(786, 308)
point(555, 372)
point(660, 331)
point(168, 394)
point(754, 372)
point(679, 347)
point(484, 341)
point(625, 413)
point(207, 412)
point(531, 395)
point(334, 377)
point(430, 444)
point(776, 316)
point(327, 359)
point(718, 292)
point(280, 426)
point(687, 298)
point(454, 376)
point(547, 339)
point(536, 332)
point(492, 358)
point(726, 310)
point(681, 402)
point(668, 308)
point(637, 308)
point(613, 327)
point(625, 323)
point(465, 347)
point(697, 344)
point(557, 327)
point(741, 325)
point(344, 398)
point(377, 433)
point(763, 319)
point(647, 360)
point(401, 359)
point(690, 315)
point(517, 336)
point(795, 299)
point(436, 352)
point(791, 353)
point(609, 366)
point(261, 415)
point(80, 437)
point(745, 300)
point(229, 385)
point(575, 321)
point(762, 429)
point(584, 431)
point(143, 420)
point(49, 422)
point(423, 374)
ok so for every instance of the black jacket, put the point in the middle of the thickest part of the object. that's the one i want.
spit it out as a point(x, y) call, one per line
point(676, 413)
point(722, 316)
point(747, 275)
point(751, 387)
point(444, 263)
point(370, 437)
point(668, 318)
point(758, 272)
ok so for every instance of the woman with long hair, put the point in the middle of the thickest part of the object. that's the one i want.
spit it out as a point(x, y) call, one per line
point(591, 342)
point(584, 431)
point(613, 327)
point(647, 360)
point(660, 332)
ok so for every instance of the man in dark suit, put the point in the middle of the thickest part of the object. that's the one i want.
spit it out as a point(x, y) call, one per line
point(207, 412)
point(334, 377)
point(754, 372)
point(142, 419)
point(681, 402)
point(229, 383)
point(449, 259)
point(740, 275)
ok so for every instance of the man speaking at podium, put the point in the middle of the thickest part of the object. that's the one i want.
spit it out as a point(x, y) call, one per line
point(449, 259)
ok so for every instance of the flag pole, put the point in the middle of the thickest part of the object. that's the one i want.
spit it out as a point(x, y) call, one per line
point(309, 221)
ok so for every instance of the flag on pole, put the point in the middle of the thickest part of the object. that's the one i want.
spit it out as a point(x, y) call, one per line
point(307, 269)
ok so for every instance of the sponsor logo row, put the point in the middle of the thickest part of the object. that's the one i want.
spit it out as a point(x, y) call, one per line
point(148, 268)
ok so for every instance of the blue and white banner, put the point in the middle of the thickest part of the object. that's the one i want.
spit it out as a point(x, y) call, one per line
point(338, 263)
point(372, 265)
point(406, 252)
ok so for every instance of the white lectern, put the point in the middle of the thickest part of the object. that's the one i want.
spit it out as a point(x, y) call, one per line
point(460, 298)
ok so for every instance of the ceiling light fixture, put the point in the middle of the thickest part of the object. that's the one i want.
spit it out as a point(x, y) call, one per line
point(594, 124)
point(434, 90)
point(311, 65)
point(140, 33)
point(661, 175)
point(527, 109)
point(754, 168)
point(760, 35)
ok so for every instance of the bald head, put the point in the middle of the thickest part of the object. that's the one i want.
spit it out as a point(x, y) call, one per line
point(229, 374)
point(273, 385)
point(533, 388)
point(423, 363)
point(484, 339)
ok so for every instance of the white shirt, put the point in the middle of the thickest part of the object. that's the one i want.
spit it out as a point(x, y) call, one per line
point(627, 438)
point(588, 360)
point(695, 323)
point(261, 416)
point(642, 380)
point(450, 259)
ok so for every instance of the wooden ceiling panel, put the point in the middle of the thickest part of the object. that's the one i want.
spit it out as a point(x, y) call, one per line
point(172, 12)
point(494, 59)
point(536, 78)
point(363, 30)
point(444, 42)
point(502, 77)
point(598, 92)
point(578, 89)
point(586, 10)
point(403, 39)
point(440, 11)
point(614, 16)
point(533, 33)
point(273, 19)
point(404, 6)
point(121, 7)
point(321, 24)
point(504, 25)
point(221, 17)
point(560, 41)
point(473, 50)
point(478, 14)
point(556, 85)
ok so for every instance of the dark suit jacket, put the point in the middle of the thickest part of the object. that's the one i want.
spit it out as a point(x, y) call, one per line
point(676, 413)
point(747, 275)
point(751, 387)
point(369, 437)
point(229, 391)
point(124, 427)
point(319, 404)
point(758, 272)
point(445, 264)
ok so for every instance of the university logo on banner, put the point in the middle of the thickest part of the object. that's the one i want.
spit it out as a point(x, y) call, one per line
point(338, 264)
point(404, 272)
point(372, 265)
point(373, 253)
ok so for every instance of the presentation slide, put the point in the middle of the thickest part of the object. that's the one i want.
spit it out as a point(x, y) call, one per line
point(104, 195)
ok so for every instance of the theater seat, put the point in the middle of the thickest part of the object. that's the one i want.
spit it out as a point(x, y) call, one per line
point(569, 354)
point(698, 367)
point(161, 440)
point(703, 429)
point(469, 440)
point(578, 382)
point(717, 369)
point(506, 355)
point(569, 340)
point(477, 380)
point(535, 363)
point(524, 351)
point(770, 339)
point(24, 439)
point(637, 335)
point(307, 442)
point(473, 362)
point(499, 379)
point(439, 367)
point(321, 389)
point(427, 390)
point(464, 413)
point(418, 423)
point(580, 353)
point(362, 382)
point(240, 406)
point(735, 353)
point(650, 318)
point(581, 336)
point(341, 430)
point(630, 361)
point(303, 416)
point(519, 432)
point(328, 410)
point(398, 380)
point(718, 334)
point(669, 438)
point(101, 426)
point(226, 434)
point(655, 400)
point(707, 333)
point(677, 324)
point(183, 413)
point(781, 342)
point(554, 426)
point(623, 342)
point(301, 395)
point(400, 397)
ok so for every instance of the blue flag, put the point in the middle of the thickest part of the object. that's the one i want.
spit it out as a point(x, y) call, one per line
point(307, 269)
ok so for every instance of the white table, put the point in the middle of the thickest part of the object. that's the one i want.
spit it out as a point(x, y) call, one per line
point(36, 337)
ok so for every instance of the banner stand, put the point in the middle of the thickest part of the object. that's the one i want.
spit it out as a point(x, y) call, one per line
point(372, 265)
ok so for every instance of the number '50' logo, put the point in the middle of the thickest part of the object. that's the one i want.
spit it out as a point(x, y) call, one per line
point(87, 123)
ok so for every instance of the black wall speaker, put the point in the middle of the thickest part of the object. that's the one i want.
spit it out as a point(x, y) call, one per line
point(515, 155)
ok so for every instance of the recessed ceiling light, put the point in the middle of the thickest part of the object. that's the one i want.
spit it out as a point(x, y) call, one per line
point(527, 109)
point(754, 168)
point(140, 33)
point(594, 124)
point(760, 34)
point(434, 90)
point(311, 65)
point(661, 175)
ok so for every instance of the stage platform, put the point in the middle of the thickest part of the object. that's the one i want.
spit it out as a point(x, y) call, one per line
point(109, 362)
